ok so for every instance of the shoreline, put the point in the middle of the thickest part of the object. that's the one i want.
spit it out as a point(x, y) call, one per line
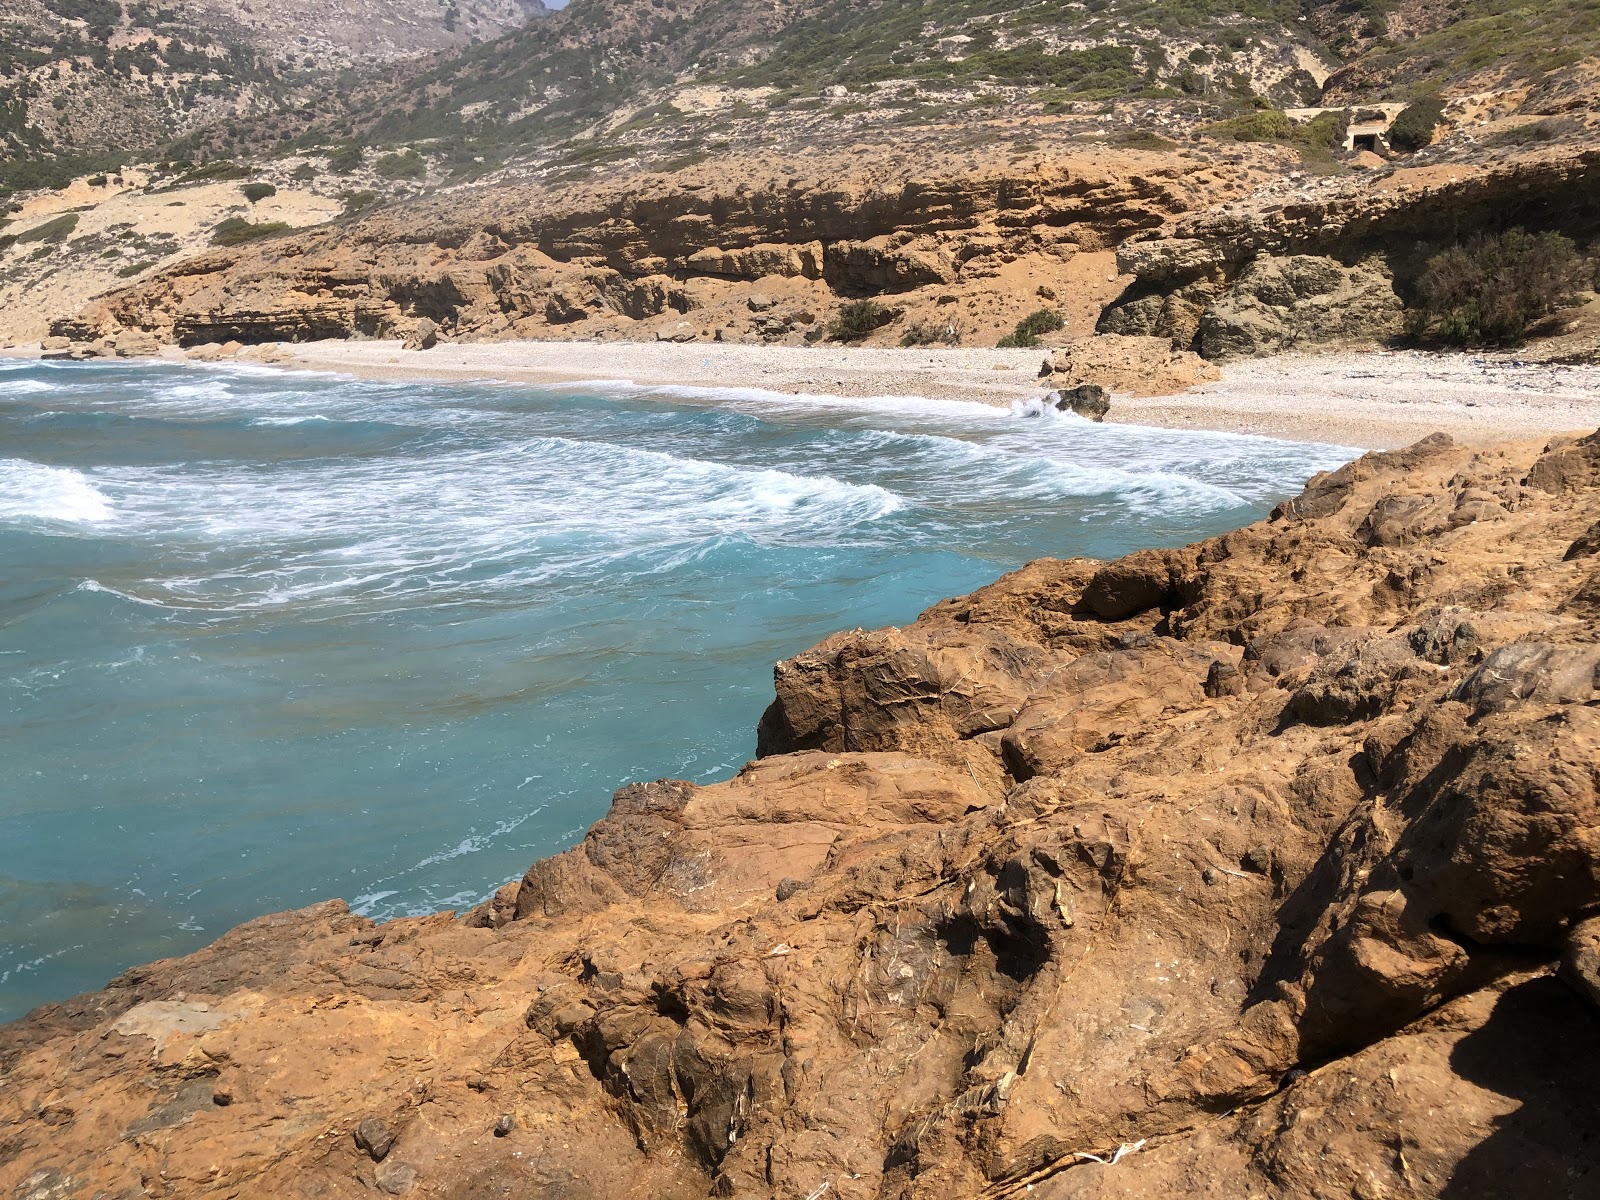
point(1369, 399)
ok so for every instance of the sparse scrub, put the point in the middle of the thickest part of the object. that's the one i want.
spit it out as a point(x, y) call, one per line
point(1526, 135)
point(1031, 328)
point(212, 172)
point(406, 165)
point(930, 333)
point(52, 231)
point(236, 230)
point(1143, 139)
point(356, 203)
point(132, 269)
point(254, 192)
point(345, 160)
point(859, 319)
point(1489, 290)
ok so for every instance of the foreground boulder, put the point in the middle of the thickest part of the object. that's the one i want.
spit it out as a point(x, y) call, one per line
point(1264, 867)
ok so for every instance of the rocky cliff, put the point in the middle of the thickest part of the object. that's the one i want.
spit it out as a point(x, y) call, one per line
point(1261, 867)
point(1304, 265)
point(741, 252)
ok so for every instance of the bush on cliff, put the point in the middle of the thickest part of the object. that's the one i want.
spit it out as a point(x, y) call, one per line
point(1031, 328)
point(1489, 290)
point(236, 230)
point(859, 319)
point(1413, 128)
point(407, 165)
point(52, 231)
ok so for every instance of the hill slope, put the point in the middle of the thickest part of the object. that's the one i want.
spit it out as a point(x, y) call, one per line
point(122, 77)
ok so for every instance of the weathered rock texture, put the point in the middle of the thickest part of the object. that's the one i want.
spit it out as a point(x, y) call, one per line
point(705, 254)
point(1317, 267)
point(1138, 366)
point(1263, 867)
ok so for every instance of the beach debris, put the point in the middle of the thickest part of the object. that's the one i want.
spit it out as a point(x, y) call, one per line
point(1117, 1156)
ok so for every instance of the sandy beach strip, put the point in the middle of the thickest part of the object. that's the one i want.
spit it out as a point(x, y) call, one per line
point(1374, 400)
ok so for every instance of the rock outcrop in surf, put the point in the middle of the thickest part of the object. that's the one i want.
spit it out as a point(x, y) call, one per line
point(1261, 867)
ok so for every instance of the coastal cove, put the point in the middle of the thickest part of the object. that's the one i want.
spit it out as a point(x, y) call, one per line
point(281, 636)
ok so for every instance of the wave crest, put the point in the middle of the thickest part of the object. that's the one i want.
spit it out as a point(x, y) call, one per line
point(31, 491)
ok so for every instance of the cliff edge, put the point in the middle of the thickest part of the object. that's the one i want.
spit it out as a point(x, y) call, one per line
point(1262, 867)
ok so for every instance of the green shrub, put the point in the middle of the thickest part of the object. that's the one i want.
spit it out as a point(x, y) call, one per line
point(356, 203)
point(1143, 139)
point(1326, 131)
point(1268, 125)
point(1489, 290)
point(1031, 328)
point(132, 269)
point(408, 165)
point(1413, 128)
point(52, 231)
point(236, 230)
point(345, 159)
point(304, 173)
point(213, 171)
point(258, 191)
point(859, 319)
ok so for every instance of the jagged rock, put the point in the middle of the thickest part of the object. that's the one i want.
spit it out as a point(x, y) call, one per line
point(1301, 302)
point(136, 344)
point(1173, 315)
point(760, 261)
point(375, 1138)
point(424, 335)
point(1088, 400)
point(878, 265)
point(1142, 366)
point(1259, 858)
point(1157, 261)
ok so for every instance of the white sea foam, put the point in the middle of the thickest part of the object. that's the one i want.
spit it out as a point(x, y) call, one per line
point(33, 491)
point(276, 421)
point(25, 387)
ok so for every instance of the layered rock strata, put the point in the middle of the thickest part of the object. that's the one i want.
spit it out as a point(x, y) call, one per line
point(728, 256)
point(1262, 867)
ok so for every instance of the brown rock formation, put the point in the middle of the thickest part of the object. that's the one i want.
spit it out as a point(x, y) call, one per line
point(967, 245)
point(1263, 867)
point(1308, 265)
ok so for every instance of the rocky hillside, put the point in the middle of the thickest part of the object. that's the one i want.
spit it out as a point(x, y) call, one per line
point(604, 66)
point(1262, 867)
point(117, 78)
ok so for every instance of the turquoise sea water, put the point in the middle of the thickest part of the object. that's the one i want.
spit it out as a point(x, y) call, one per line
point(268, 638)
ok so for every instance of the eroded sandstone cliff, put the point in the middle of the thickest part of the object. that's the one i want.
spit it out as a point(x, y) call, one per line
point(966, 243)
point(1262, 867)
